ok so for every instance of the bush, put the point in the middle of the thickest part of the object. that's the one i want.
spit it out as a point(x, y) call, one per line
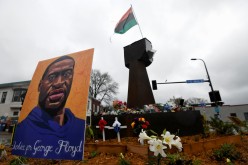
point(222, 128)
point(226, 151)
point(175, 159)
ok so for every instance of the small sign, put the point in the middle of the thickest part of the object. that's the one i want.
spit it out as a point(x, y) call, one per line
point(195, 81)
point(217, 109)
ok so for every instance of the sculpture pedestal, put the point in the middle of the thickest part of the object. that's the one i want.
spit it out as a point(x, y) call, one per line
point(139, 88)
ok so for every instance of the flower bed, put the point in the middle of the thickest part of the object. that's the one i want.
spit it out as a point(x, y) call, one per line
point(189, 146)
point(204, 146)
point(132, 157)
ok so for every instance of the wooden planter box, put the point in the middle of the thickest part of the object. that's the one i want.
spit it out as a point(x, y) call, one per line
point(197, 147)
point(138, 149)
point(117, 148)
point(143, 150)
point(105, 148)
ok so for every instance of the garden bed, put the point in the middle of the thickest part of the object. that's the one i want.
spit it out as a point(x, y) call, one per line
point(136, 154)
point(190, 146)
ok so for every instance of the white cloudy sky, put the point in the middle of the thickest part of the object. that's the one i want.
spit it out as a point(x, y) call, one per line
point(215, 31)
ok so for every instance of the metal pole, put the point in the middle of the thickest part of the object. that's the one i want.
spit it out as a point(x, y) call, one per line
point(137, 22)
point(210, 83)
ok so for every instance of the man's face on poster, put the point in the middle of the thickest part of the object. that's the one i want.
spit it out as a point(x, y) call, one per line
point(55, 86)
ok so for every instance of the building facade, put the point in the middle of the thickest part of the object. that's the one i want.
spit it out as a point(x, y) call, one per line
point(11, 100)
point(239, 111)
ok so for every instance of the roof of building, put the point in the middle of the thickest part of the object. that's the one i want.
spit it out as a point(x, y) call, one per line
point(15, 84)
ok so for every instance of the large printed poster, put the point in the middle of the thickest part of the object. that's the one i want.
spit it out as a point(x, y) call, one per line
point(52, 120)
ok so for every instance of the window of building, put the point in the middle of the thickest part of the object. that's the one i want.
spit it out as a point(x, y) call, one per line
point(96, 109)
point(233, 114)
point(4, 95)
point(246, 116)
point(89, 105)
point(15, 113)
point(88, 120)
point(17, 94)
point(93, 108)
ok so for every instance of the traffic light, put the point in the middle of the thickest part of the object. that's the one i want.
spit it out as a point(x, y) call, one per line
point(154, 85)
point(214, 96)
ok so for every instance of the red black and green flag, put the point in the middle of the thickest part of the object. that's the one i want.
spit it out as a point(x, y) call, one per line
point(126, 22)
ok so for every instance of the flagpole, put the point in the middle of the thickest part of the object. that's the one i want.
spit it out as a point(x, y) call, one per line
point(137, 22)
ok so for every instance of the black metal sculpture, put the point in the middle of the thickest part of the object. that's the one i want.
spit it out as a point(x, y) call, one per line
point(138, 56)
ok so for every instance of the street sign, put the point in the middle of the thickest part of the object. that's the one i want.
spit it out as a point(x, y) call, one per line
point(195, 81)
point(202, 104)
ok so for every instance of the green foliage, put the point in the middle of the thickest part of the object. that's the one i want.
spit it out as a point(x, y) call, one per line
point(93, 154)
point(89, 133)
point(176, 158)
point(18, 161)
point(173, 158)
point(196, 162)
point(222, 128)
point(150, 132)
point(206, 128)
point(244, 127)
point(164, 131)
point(226, 151)
point(122, 160)
point(154, 160)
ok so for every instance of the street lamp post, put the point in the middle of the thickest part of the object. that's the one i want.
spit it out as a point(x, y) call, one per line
point(210, 83)
point(209, 80)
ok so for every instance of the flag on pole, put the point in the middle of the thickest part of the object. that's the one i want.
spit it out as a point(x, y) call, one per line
point(126, 22)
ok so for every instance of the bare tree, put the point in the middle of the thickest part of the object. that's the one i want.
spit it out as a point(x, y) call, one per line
point(189, 101)
point(102, 86)
point(195, 100)
point(175, 100)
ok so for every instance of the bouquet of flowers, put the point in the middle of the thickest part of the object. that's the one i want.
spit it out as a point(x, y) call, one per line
point(119, 105)
point(3, 152)
point(138, 124)
point(158, 146)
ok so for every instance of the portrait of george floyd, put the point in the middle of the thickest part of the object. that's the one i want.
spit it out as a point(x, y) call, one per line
point(52, 120)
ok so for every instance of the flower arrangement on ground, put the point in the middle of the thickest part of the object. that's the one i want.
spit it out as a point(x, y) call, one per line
point(159, 145)
point(138, 124)
point(3, 153)
point(117, 104)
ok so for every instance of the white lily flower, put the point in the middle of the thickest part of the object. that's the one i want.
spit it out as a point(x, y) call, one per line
point(150, 142)
point(177, 143)
point(143, 136)
point(168, 138)
point(157, 147)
